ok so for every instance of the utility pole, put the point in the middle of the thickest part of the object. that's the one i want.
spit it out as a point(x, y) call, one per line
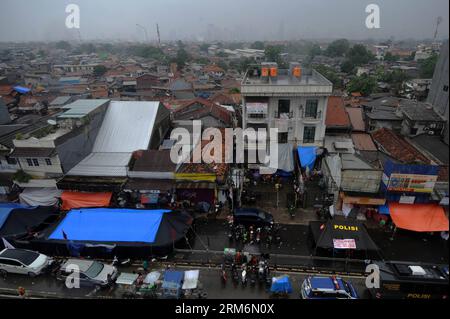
point(145, 31)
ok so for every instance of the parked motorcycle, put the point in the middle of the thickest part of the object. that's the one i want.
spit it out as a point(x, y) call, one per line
point(244, 276)
point(223, 275)
point(121, 263)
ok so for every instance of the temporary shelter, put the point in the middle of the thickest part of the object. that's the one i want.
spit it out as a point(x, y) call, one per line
point(419, 217)
point(40, 196)
point(343, 238)
point(128, 232)
point(72, 200)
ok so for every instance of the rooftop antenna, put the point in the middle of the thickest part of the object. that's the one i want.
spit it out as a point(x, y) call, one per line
point(438, 22)
point(159, 35)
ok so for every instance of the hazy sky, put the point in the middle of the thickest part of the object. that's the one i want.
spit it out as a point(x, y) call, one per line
point(24, 20)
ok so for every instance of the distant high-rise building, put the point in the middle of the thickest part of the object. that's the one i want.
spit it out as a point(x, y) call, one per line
point(438, 95)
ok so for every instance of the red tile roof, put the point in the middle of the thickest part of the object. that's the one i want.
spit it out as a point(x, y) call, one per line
point(5, 89)
point(209, 108)
point(223, 98)
point(399, 148)
point(336, 114)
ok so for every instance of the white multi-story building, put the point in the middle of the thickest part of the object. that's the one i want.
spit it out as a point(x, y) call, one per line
point(292, 100)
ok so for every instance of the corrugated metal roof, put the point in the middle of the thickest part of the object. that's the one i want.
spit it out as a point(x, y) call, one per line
point(38, 152)
point(356, 118)
point(81, 108)
point(363, 142)
point(127, 127)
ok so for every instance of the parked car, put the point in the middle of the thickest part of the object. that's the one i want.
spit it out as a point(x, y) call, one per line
point(252, 216)
point(24, 262)
point(91, 272)
point(317, 287)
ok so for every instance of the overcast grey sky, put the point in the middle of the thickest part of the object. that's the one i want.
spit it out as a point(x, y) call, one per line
point(25, 20)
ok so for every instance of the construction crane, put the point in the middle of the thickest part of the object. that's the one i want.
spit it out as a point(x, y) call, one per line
point(159, 35)
point(438, 22)
point(145, 31)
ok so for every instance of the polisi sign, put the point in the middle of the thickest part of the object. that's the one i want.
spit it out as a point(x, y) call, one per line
point(347, 228)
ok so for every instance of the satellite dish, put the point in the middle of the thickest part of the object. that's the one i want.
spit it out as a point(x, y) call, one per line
point(51, 122)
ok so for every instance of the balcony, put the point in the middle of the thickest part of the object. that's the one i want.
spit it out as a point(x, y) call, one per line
point(283, 115)
point(256, 118)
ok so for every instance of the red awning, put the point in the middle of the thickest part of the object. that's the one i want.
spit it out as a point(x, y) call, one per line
point(419, 217)
point(84, 200)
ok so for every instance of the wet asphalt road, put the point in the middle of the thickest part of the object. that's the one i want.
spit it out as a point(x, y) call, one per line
point(406, 245)
point(47, 286)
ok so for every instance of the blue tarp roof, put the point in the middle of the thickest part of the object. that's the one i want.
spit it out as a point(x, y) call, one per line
point(21, 89)
point(110, 225)
point(5, 210)
point(172, 277)
point(281, 285)
point(384, 209)
point(307, 155)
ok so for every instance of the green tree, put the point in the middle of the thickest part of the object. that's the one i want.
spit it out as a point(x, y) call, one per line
point(88, 48)
point(257, 45)
point(358, 55)
point(338, 48)
point(315, 50)
point(63, 45)
point(204, 47)
point(348, 67)
point(330, 74)
point(244, 64)
point(100, 70)
point(427, 66)
point(222, 54)
point(182, 58)
point(364, 84)
point(390, 57)
point(272, 53)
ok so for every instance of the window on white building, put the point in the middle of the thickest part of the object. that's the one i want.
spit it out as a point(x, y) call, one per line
point(311, 108)
point(309, 134)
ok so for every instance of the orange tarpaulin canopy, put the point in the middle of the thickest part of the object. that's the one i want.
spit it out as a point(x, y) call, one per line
point(81, 200)
point(419, 217)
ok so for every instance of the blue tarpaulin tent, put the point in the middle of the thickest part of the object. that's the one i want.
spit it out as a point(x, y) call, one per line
point(384, 209)
point(281, 285)
point(21, 89)
point(307, 155)
point(5, 210)
point(110, 225)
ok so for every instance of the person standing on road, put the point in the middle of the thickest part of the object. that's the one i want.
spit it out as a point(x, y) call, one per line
point(22, 292)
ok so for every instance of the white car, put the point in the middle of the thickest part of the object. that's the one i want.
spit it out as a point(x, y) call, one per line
point(23, 262)
point(91, 272)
